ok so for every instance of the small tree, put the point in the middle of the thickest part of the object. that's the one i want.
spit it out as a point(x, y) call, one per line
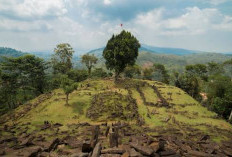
point(189, 84)
point(89, 61)
point(132, 71)
point(198, 70)
point(121, 51)
point(68, 86)
point(99, 73)
point(160, 69)
point(147, 73)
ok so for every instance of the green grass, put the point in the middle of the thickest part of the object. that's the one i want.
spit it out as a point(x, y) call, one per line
point(143, 111)
point(149, 94)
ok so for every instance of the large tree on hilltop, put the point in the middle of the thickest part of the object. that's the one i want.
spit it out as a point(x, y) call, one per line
point(121, 51)
point(62, 59)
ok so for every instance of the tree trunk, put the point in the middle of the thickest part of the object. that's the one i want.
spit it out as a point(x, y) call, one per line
point(116, 77)
point(89, 71)
point(230, 118)
point(9, 105)
point(67, 99)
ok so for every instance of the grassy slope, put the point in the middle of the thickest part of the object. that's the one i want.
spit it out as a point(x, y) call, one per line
point(185, 112)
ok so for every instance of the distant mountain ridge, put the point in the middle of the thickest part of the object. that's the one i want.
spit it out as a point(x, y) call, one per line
point(162, 50)
point(9, 52)
point(153, 49)
point(172, 58)
point(166, 50)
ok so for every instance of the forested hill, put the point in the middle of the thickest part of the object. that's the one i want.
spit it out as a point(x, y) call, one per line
point(172, 61)
point(176, 62)
point(9, 52)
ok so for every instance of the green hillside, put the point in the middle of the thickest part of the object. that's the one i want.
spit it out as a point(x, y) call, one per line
point(132, 101)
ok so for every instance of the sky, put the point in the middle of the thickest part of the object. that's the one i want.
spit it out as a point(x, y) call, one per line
point(39, 25)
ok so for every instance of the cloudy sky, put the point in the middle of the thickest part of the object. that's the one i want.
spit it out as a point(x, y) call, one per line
point(39, 25)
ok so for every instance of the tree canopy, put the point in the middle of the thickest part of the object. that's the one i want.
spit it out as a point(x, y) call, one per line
point(22, 78)
point(121, 51)
point(68, 86)
point(62, 59)
point(89, 61)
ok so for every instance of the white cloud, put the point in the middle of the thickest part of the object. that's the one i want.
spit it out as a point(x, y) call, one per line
point(26, 25)
point(23, 26)
point(194, 21)
point(107, 2)
point(217, 2)
point(194, 29)
point(150, 19)
point(32, 8)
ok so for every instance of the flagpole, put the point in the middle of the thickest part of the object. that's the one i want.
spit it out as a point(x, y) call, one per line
point(121, 26)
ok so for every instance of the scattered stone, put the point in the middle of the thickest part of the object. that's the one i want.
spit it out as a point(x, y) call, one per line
point(30, 151)
point(142, 149)
point(197, 153)
point(97, 150)
point(113, 139)
point(167, 152)
point(46, 125)
point(107, 131)
point(205, 137)
point(86, 147)
point(52, 145)
point(44, 154)
point(27, 142)
point(126, 154)
point(5, 127)
point(72, 142)
point(155, 146)
point(95, 134)
point(133, 153)
point(80, 155)
point(56, 125)
point(228, 151)
point(2, 152)
point(141, 121)
point(110, 155)
point(113, 151)
point(167, 119)
point(9, 139)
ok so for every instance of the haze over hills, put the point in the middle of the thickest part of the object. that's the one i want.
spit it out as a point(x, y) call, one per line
point(172, 58)
point(98, 51)
point(9, 52)
point(162, 50)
